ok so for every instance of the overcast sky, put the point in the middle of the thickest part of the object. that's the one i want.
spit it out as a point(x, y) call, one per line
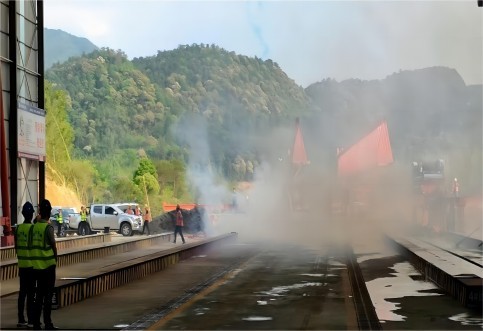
point(310, 40)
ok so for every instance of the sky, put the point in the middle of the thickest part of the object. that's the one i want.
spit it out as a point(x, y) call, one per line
point(310, 40)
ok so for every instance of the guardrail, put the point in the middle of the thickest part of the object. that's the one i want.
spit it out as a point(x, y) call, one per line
point(101, 246)
point(8, 253)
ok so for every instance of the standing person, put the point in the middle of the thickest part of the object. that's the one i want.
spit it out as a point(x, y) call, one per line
point(83, 214)
point(137, 211)
point(179, 224)
point(44, 260)
point(456, 188)
point(147, 219)
point(25, 268)
point(129, 210)
point(59, 221)
point(234, 201)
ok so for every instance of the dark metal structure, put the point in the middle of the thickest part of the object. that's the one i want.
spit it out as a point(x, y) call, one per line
point(22, 82)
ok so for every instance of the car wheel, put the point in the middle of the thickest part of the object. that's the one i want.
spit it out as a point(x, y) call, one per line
point(126, 229)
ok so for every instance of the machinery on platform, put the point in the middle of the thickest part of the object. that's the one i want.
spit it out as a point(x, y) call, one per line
point(433, 207)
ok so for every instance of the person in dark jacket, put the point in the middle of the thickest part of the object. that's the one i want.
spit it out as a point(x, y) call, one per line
point(178, 225)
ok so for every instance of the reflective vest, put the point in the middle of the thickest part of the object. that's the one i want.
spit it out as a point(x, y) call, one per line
point(22, 241)
point(59, 218)
point(41, 253)
point(83, 215)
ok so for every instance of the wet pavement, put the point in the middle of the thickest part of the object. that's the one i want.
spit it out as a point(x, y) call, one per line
point(289, 287)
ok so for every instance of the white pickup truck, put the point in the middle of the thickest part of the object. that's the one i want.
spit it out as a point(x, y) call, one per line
point(112, 216)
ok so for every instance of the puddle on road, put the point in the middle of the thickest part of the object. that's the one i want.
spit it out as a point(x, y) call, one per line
point(466, 319)
point(262, 302)
point(399, 286)
point(319, 275)
point(257, 318)
point(121, 325)
point(373, 256)
point(201, 311)
point(312, 275)
point(281, 290)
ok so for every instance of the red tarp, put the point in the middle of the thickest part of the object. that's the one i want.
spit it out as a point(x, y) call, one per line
point(299, 157)
point(373, 150)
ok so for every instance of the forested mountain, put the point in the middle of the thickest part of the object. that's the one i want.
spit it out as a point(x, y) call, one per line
point(155, 103)
point(212, 109)
point(60, 45)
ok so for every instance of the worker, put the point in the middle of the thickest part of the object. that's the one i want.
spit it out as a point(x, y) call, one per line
point(60, 222)
point(25, 268)
point(179, 225)
point(129, 210)
point(137, 211)
point(43, 255)
point(456, 188)
point(83, 214)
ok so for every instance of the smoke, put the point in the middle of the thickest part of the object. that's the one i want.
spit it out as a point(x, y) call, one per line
point(255, 16)
point(208, 187)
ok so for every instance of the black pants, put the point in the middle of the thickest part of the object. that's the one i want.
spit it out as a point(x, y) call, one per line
point(59, 227)
point(43, 295)
point(178, 229)
point(146, 226)
point(26, 291)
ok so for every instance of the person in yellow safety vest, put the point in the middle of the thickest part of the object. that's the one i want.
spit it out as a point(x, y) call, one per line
point(83, 214)
point(25, 268)
point(59, 221)
point(43, 254)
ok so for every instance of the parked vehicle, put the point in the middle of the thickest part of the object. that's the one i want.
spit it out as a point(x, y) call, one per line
point(112, 216)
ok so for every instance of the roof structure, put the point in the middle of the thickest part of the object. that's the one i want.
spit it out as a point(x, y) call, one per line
point(372, 151)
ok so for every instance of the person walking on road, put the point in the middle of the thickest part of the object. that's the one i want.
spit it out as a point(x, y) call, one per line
point(147, 219)
point(179, 225)
point(25, 268)
point(43, 255)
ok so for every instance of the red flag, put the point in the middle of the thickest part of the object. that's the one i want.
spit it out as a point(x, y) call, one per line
point(373, 150)
point(299, 157)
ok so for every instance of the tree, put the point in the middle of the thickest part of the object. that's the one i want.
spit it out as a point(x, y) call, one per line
point(59, 132)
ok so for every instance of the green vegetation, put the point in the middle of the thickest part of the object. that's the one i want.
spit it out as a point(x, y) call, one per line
point(206, 109)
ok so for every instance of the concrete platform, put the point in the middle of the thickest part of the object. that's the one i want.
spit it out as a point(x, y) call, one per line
point(131, 306)
point(458, 277)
